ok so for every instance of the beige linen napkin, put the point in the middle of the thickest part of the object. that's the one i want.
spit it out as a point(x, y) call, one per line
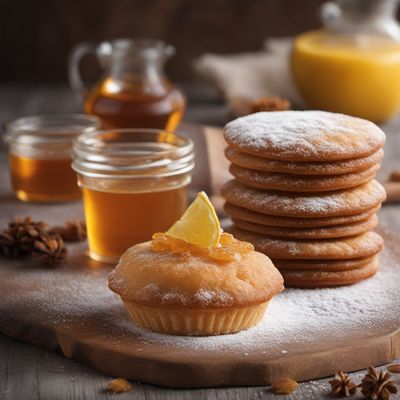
point(245, 77)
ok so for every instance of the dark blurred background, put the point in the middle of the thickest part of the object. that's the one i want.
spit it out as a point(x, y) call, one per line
point(37, 35)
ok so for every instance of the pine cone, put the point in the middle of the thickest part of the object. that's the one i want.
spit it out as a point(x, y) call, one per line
point(72, 231)
point(49, 250)
point(342, 385)
point(19, 237)
point(378, 385)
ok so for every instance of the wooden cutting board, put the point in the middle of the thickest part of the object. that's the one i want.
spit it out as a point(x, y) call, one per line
point(306, 334)
point(71, 310)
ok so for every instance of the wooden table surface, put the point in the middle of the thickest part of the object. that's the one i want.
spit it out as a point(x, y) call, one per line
point(28, 372)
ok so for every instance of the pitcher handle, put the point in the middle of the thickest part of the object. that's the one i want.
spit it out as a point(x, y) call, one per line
point(74, 60)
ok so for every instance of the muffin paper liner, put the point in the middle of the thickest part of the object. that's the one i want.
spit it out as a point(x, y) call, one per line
point(196, 322)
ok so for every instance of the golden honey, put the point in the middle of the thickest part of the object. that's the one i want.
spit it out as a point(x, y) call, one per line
point(138, 105)
point(134, 183)
point(116, 221)
point(43, 180)
point(40, 156)
point(134, 91)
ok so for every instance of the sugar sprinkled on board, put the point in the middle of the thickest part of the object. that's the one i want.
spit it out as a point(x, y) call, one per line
point(71, 297)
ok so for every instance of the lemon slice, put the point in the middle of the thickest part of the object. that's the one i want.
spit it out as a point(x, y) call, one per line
point(199, 224)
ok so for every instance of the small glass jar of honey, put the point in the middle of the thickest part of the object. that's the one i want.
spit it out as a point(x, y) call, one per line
point(134, 183)
point(40, 152)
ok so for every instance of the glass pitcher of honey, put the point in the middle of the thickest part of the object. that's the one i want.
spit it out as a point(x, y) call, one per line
point(352, 65)
point(134, 91)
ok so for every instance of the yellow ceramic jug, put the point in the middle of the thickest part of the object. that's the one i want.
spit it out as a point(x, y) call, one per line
point(352, 66)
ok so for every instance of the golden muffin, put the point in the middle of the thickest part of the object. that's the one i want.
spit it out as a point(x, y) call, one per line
point(175, 287)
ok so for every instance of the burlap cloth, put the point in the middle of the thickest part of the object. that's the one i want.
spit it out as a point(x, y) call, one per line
point(242, 78)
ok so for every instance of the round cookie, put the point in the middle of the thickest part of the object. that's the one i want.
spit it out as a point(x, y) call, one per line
point(362, 245)
point(320, 279)
point(300, 183)
point(326, 204)
point(303, 168)
point(243, 214)
point(304, 136)
point(328, 232)
point(322, 265)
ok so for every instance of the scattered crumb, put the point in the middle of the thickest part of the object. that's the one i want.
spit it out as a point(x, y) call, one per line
point(270, 103)
point(284, 385)
point(119, 385)
point(394, 368)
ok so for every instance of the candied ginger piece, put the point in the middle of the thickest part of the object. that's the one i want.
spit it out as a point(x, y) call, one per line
point(223, 254)
point(198, 251)
point(228, 249)
point(226, 238)
point(158, 235)
point(160, 242)
point(178, 245)
point(241, 247)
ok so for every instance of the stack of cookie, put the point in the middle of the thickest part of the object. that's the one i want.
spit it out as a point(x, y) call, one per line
point(304, 193)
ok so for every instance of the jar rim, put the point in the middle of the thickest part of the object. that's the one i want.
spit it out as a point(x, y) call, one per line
point(37, 130)
point(132, 153)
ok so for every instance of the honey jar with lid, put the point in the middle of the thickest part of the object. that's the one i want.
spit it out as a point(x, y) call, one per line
point(40, 150)
point(134, 183)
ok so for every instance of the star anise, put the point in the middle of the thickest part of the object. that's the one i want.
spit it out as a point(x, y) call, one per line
point(378, 385)
point(20, 235)
point(72, 231)
point(49, 250)
point(341, 385)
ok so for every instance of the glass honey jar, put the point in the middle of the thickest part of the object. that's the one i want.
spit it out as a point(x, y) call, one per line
point(134, 91)
point(40, 155)
point(134, 183)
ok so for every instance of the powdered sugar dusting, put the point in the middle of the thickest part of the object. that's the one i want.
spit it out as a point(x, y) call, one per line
point(304, 135)
point(300, 183)
point(296, 319)
point(152, 292)
point(362, 245)
point(307, 168)
point(326, 204)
